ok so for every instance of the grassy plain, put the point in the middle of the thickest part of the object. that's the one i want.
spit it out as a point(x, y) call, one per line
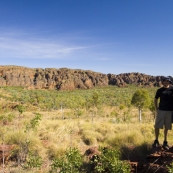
point(48, 122)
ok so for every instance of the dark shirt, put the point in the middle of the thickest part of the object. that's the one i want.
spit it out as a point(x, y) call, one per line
point(166, 98)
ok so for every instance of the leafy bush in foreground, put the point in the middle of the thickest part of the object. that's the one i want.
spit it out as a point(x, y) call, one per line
point(109, 162)
point(70, 163)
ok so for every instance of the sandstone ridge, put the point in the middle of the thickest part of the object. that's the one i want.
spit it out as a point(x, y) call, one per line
point(70, 79)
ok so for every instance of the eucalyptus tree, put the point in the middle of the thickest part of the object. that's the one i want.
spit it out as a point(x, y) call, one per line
point(141, 99)
point(153, 109)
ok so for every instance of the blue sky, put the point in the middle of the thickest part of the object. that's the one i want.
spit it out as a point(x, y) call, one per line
point(107, 36)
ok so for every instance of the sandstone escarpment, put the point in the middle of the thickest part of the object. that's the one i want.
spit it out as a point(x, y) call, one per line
point(51, 78)
point(70, 79)
point(138, 79)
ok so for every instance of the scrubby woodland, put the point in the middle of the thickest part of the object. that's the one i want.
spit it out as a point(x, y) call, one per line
point(88, 131)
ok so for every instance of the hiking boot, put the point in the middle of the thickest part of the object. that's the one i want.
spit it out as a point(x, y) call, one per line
point(165, 145)
point(155, 144)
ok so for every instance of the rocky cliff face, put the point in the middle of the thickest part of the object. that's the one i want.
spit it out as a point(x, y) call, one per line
point(138, 79)
point(70, 79)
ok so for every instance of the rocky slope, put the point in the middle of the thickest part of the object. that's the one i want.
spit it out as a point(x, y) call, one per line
point(157, 161)
point(69, 79)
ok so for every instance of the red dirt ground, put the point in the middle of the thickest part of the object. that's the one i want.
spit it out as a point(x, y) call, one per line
point(155, 162)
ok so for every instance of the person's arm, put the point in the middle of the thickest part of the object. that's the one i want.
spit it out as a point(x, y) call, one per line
point(156, 103)
point(156, 97)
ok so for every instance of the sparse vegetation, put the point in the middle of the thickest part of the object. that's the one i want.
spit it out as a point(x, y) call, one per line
point(101, 117)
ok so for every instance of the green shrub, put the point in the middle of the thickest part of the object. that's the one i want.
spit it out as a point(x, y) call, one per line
point(109, 162)
point(170, 168)
point(34, 122)
point(70, 163)
point(7, 118)
point(33, 160)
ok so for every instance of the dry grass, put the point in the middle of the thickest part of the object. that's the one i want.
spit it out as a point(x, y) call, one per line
point(79, 131)
point(53, 135)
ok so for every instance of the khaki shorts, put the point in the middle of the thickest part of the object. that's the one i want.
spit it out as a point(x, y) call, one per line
point(163, 118)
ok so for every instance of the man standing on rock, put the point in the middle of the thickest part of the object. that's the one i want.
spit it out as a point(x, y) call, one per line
point(164, 111)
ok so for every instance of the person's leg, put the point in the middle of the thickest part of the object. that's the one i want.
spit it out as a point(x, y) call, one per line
point(156, 141)
point(165, 134)
point(168, 123)
point(165, 143)
point(168, 126)
point(159, 122)
point(157, 133)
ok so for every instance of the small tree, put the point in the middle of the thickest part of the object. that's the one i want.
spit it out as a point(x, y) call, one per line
point(141, 99)
point(153, 109)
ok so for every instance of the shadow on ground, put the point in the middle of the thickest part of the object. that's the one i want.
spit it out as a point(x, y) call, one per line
point(145, 159)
